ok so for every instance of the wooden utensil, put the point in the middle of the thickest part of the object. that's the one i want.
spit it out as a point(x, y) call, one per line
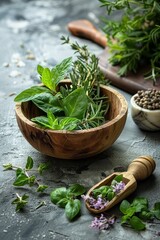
point(132, 82)
point(139, 169)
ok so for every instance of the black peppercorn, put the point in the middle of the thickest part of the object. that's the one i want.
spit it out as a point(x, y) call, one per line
point(148, 99)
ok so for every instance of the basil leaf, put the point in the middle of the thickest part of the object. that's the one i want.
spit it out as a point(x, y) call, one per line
point(47, 102)
point(76, 189)
point(124, 206)
point(59, 71)
point(156, 210)
point(58, 194)
point(21, 180)
point(29, 164)
point(62, 203)
point(72, 208)
point(137, 224)
point(75, 104)
point(140, 203)
point(30, 94)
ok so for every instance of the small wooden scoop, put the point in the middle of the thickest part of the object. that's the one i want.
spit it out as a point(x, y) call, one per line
point(140, 168)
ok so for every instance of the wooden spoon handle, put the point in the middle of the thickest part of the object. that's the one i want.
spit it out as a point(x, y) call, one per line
point(142, 167)
point(84, 28)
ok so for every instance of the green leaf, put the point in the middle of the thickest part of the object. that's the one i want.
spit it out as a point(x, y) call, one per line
point(124, 206)
point(29, 164)
point(68, 123)
point(47, 102)
point(42, 120)
point(20, 202)
point(7, 166)
point(31, 93)
point(42, 188)
point(76, 189)
point(75, 104)
point(118, 178)
point(58, 194)
point(19, 171)
point(62, 203)
point(40, 69)
point(21, 180)
point(60, 70)
point(137, 224)
point(47, 78)
point(156, 210)
point(42, 167)
point(72, 208)
point(140, 203)
point(110, 195)
point(31, 180)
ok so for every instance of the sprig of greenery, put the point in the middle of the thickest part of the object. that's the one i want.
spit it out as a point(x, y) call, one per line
point(67, 198)
point(136, 36)
point(78, 106)
point(137, 212)
point(24, 178)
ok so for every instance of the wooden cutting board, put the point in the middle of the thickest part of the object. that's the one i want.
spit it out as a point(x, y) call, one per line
point(130, 83)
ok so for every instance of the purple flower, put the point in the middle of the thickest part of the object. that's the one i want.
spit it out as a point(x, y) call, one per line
point(97, 204)
point(102, 222)
point(119, 186)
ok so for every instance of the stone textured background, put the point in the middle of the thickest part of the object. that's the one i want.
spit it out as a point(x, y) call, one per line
point(30, 33)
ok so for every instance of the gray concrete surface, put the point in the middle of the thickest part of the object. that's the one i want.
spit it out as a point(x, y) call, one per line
point(34, 28)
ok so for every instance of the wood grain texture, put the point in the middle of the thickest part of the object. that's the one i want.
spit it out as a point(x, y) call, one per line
point(74, 144)
point(139, 169)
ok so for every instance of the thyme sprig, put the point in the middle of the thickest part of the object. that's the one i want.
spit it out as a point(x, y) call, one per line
point(136, 35)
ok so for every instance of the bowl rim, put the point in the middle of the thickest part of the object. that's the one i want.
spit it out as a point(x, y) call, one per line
point(121, 114)
point(134, 104)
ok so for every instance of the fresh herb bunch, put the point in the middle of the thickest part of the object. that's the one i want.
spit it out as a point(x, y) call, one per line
point(67, 198)
point(100, 197)
point(136, 36)
point(136, 213)
point(25, 176)
point(79, 105)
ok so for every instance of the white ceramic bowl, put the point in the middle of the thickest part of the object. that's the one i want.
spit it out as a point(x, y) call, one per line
point(145, 119)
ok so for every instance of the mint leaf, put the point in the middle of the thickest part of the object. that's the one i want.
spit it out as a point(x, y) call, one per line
point(29, 164)
point(60, 70)
point(68, 123)
point(40, 69)
point(118, 178)
point(72, 208)
point(76, 189)
point(137, 224)
point(58, 194)
point(47, 78)
point(30, 94)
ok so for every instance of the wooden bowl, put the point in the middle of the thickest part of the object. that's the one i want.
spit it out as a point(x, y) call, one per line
point(74, 144)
